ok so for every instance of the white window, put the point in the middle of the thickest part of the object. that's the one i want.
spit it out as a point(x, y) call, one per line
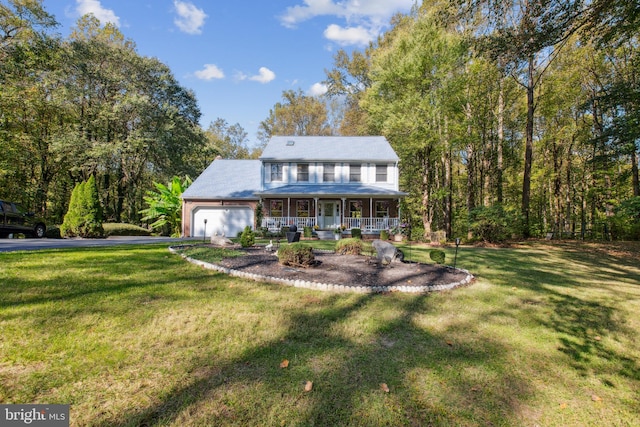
point(302, 208)
point(381, 173)
point(355, 173)
point(382, 208)
point(275, 208)
point(355, 208)
point(329, 172)
point(303, 172)
point(276, 172)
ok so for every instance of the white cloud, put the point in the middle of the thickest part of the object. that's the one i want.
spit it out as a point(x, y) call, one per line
point(264, 75)
point(190, 19)
point(374, 10)
point(94, 7)
point(350, 35)
point(364, 19)
point(318, 89)
point(209, 72)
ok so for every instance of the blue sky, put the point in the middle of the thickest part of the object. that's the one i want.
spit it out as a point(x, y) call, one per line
point(239, 56)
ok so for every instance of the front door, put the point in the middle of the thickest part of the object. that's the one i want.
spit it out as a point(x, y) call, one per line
point(329, 215)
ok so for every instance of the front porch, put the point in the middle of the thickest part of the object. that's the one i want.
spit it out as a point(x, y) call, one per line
point(366, 225)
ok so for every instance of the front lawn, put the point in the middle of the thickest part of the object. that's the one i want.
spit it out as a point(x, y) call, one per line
point(547, 335)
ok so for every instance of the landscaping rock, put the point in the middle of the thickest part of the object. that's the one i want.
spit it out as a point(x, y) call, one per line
point(386, 253)
point(220, 241)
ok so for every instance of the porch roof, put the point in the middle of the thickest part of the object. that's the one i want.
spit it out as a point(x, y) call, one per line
point(333, 190)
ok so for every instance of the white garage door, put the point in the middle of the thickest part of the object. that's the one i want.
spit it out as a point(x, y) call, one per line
point(224, 220)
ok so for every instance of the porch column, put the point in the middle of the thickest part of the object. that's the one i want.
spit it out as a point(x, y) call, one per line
point(342, 216)
point(315, 202)
point(288, 210)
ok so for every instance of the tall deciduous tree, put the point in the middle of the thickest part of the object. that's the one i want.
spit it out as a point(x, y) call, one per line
point(297, 114)
point(414, 74)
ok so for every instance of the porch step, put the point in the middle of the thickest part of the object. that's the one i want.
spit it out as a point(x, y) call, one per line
point(325, 234)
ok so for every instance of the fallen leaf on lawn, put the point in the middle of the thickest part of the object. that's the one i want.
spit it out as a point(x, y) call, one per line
point(563, 405)
point(384, 387)
point(596, 398)
point(449, 343)
point(308, 386)
point(475, 388)
point(284, 363)
point(597, 338)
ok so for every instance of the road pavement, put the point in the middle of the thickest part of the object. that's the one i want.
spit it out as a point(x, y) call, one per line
point(9, 245)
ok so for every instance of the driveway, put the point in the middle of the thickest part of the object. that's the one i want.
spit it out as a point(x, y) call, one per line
point(8, 245)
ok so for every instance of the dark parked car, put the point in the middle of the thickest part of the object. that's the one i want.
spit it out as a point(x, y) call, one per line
point(14, 219)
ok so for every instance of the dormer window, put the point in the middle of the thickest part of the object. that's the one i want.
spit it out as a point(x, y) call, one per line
point(276, 172)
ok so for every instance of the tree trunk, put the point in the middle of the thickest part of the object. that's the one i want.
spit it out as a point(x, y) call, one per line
point(634, 173)
point(528, 151)
point(500, 142)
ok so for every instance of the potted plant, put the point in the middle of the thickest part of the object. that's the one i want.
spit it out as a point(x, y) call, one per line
point(337, 233)
point(399, 232)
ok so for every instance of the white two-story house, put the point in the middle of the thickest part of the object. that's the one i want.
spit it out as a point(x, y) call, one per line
point(326, 182)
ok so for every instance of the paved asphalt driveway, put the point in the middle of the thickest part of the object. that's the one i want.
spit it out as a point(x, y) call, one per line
point(7, 245)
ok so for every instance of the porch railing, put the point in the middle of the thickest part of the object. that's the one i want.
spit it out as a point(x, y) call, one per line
point(365, 224)
point(371, 224)
point(275, 223)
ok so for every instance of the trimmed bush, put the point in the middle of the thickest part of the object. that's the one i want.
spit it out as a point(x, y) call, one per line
point(84, 217)
point(307, 232)
point(296, 255)
point(356, 233)
point(247, 238)
point(437, 256)
point(53, 232)
point(384, 235)
point(123, 229)
point(350, 246)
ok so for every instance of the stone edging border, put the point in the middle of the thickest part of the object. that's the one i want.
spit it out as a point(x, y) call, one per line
point(325, 286)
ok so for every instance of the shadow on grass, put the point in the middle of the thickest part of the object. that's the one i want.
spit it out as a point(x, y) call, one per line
point(582, 292)
point(347, 375)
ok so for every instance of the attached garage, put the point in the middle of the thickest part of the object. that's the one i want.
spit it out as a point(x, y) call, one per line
point(224, 195)
point(222, 221)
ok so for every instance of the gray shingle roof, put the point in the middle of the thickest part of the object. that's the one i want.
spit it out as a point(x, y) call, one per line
point(225, 179)
point(319, 148)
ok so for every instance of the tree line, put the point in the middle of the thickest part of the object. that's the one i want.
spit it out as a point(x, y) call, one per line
point(514, 117)
point(520, 115)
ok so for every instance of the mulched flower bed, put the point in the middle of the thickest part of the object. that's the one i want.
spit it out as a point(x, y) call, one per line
point(347, 270)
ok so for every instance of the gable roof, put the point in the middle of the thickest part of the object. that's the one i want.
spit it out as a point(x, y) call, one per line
point(330, 148)
point(227, 179)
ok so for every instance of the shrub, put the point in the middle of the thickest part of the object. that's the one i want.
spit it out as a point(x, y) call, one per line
point(437, 256)
point(123, 229)
point(626, 221)
point(350, 246)
point(493, 224)
point(296, 255)
point(384, 235)
point(247, 238)
point(53, 232)
point(84, 216)
point(356, 233)
point(307, 232)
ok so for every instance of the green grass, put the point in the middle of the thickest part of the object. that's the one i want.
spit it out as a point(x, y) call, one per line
point(547, 335)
